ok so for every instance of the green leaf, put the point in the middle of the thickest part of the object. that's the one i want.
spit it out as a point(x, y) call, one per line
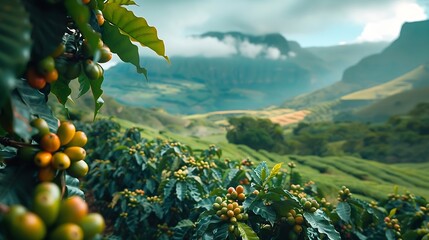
point(72, 187)
point(181, 190)
point(246, 232)
point(261, 171)
point(122, 46)
point(344, 211)
point(17, 184)
point(35, 103)
point(96, 93)
point(221, 232)
point(182, 228)
point(169, 187)
point(15, 42)
point(321, 222)
point(61, 89)
point(123, 2)
point(134, 27)
point(259, 208)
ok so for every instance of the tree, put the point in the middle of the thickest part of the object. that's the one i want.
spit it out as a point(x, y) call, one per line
point(46, 44)
point(255, 133)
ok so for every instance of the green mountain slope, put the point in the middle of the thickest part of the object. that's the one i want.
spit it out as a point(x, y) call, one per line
point(367, 179)
point(417, 78)
point(394, 105)
point(406, 53)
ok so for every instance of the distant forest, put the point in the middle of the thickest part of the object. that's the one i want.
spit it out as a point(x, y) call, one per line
point(403, 138)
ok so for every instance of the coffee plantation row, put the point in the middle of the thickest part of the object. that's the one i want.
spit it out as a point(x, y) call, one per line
point(162, 189)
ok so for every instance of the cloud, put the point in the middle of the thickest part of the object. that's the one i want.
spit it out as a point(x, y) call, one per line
point(388, 27)
point(309, 22)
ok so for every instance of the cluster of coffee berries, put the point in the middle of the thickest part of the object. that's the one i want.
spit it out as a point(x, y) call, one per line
point(404, 197)
point(246, 162)
point(297, 190)
point(154, 199)
point(136, 149)
point(53, 218)
point(344, 194)
point(56, 151)
point(424, 232)
point(229, 209)
point(132, 197)
point(164, 229)
point(296, 220)
point(291, 165)
point(236, 193)
point(425, 209)
point(244, 181)
point(199, 164)
point(326, 206)
point(393, 223)
point(181, 174)
point(44, 71)
point(310, 205)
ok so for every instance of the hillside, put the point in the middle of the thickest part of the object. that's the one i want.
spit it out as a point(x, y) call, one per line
point(417, 78)
point(366, 179)
point(394, 105)
point(407, 52)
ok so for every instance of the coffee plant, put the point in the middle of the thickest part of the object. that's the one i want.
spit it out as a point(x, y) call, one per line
point(163, 189)
point(44, 45)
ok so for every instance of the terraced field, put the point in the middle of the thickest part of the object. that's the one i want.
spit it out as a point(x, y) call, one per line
point(366, 179)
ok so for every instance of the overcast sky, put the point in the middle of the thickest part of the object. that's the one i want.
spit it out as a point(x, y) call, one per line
point(310, 22)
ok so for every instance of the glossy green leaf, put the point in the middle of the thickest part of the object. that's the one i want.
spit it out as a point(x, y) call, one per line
point(72, 187)
point(220, 232)
point(181, 190)
point(344, 211)
point(61, 89)
point(135, 27)
point(259, 208)
point(169, 187)
point(246, 232)
point(16, 182)
point(122, 46)
point(182, 228)
point(49, 25)
point(15, 42)
point(96, 93)
point(84, 85)
point(321, 222)
point(123, 2)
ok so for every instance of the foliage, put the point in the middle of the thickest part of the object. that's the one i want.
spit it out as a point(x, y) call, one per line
point(255, 133)
point(175, 192)
point(45, 45)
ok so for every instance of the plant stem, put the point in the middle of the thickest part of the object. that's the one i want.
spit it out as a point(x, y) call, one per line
point(9, 142)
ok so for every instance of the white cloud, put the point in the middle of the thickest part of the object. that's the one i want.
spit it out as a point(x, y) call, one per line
point(274, 53)
point(388, 27)
point(250, 50)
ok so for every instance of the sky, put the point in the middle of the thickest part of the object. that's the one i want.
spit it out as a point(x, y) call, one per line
point(309, 22)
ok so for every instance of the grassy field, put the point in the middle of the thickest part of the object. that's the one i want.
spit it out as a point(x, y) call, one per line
point(408, 81)
point(366, 179)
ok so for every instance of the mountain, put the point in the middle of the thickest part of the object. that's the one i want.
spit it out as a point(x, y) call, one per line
point(199, 84)
point(415, 79)
point(344, 56)
point(407, 52)
point(393, 105)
